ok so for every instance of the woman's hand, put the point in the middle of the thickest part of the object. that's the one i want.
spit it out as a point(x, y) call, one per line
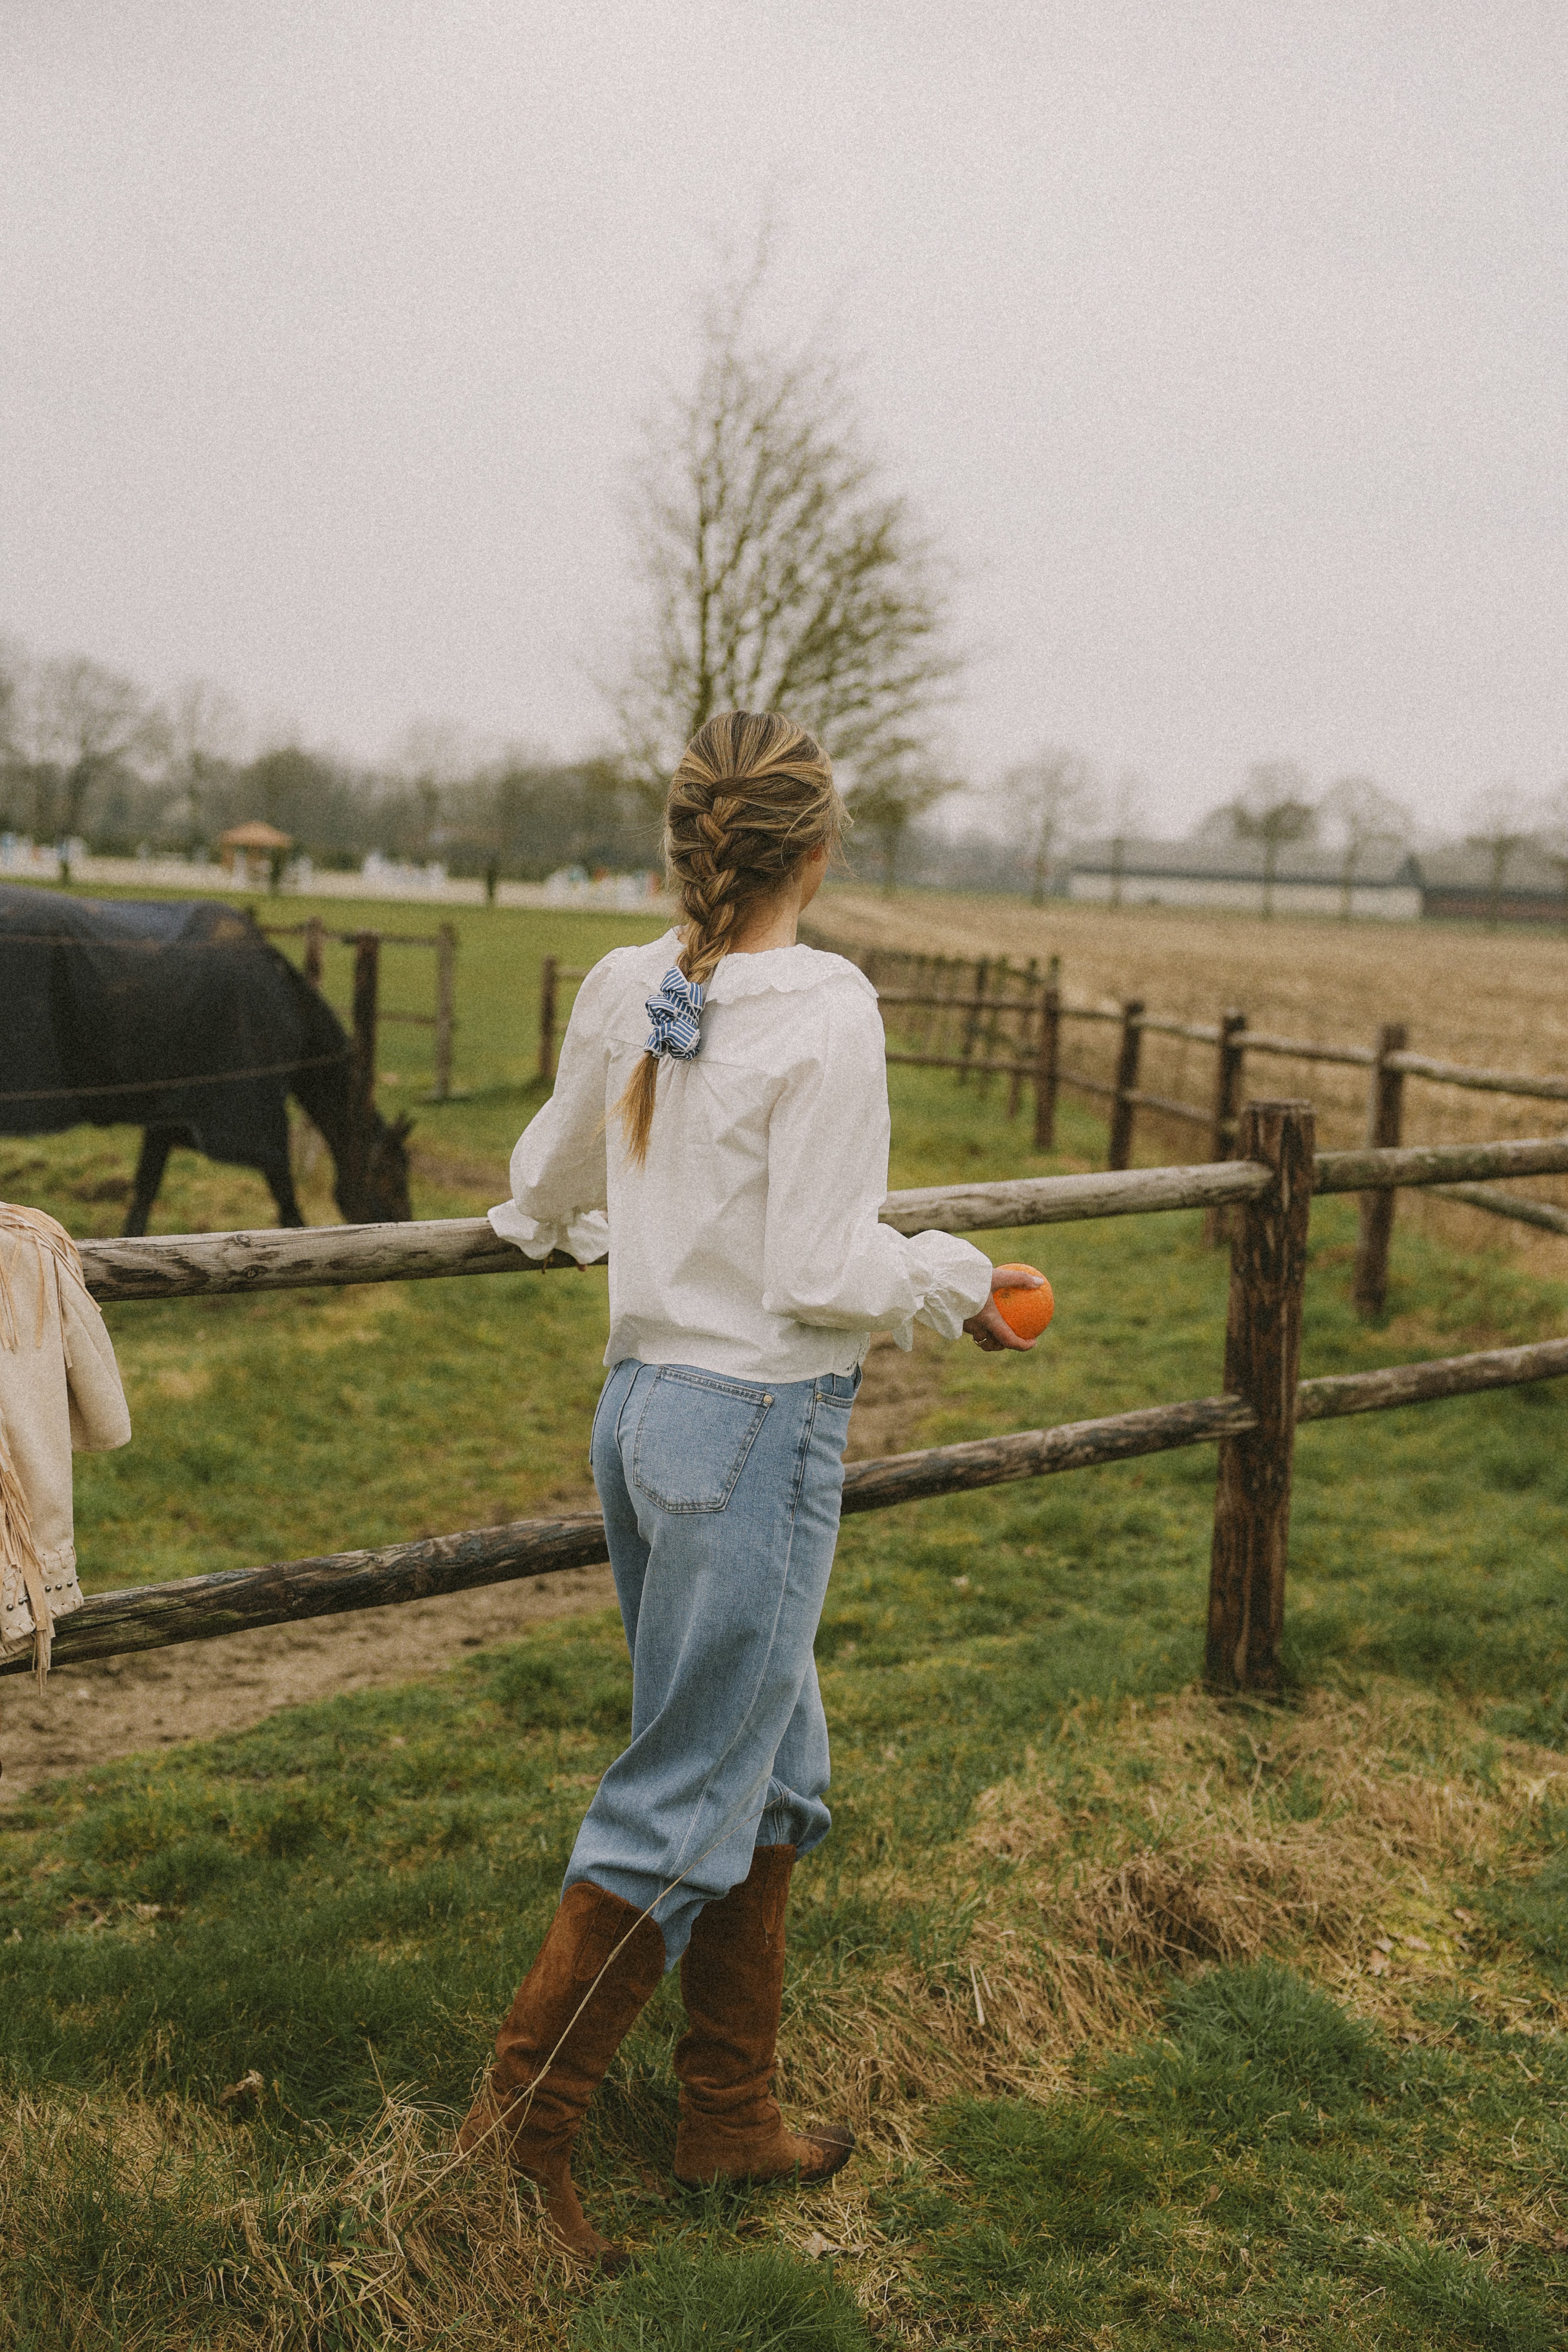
point(988, 1329)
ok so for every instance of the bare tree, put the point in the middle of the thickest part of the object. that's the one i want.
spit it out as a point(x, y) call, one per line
point(430, 756)
point(1500, 823)
point(32, 779)
point(888, 795)
point(205, 738)
point(1052, 791)
point(1364, 817)
point(16, 763)
point(1553, 837)
point(13, 676)
point(1275, 809)
point(779, 572)
point(91, 720)
point(289, 786)
point(1125, 809)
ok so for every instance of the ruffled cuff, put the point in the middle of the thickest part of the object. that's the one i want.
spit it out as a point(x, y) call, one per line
point(585, 1236)
point(956, 1279)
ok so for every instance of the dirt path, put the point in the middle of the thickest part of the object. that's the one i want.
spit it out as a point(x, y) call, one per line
point(92, 1714)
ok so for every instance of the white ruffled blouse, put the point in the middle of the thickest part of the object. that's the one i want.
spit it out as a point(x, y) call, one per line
point(747, 1243)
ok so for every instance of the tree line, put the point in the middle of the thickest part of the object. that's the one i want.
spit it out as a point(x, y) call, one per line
point(87, 754)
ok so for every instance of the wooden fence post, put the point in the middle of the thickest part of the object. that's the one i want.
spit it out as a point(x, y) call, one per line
point(972, 1019)
point(928, 1016)
point(1001, 982)
point(315, 949)
point(367, 983)
point(1029, 1005)
point(1385, 1115)
point(1048, 1058)
point(446, 992)
point(547, 972)
point(1262, 1364)
point(951, 1030)
point(1123, 1110)
point(926, 973)
point(1226, 1102)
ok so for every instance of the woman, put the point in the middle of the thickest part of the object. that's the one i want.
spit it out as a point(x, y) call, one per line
point(741, 1150)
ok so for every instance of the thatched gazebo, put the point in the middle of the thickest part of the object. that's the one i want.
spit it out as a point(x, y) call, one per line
point(236, 845)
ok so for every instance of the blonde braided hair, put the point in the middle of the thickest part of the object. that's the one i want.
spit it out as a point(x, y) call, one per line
point(751, 799)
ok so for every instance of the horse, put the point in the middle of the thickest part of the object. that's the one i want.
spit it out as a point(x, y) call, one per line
point(180, 1018)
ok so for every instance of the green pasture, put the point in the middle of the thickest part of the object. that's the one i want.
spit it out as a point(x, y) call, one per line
point(338, 1903)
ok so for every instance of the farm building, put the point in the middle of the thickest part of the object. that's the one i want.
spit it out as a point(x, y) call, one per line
point(1525, 886)
point(1457, 882)
point(1306, 879)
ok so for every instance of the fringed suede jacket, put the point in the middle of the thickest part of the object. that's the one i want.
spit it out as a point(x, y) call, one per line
point(59, 1389)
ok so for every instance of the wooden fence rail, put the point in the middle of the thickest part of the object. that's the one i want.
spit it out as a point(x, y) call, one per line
point(272, 1257)
point(1517, 1205)
point(1268, 1187)
point(201, 1607)
point(1489, 1082)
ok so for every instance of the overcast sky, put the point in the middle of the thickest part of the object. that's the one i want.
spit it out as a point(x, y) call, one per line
point(1221, 343)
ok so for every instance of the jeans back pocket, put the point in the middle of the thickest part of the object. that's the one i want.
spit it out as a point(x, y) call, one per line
point(693, 1436)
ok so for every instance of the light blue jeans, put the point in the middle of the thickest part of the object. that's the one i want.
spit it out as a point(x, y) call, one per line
point(721, 1501)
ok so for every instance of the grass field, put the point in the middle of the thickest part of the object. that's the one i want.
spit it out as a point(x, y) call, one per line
point(1164, 2022)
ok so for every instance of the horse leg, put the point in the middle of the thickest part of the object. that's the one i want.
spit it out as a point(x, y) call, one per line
point(280, 1184)
point(157, 1143)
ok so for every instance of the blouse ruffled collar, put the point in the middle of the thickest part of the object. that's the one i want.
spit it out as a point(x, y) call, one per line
point(783, 971)
point(775, 970)
point(780, 971)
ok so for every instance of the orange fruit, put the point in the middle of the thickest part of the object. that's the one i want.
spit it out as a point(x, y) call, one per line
point(1027, 1311)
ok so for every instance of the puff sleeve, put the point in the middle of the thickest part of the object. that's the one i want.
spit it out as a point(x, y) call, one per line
point(826, 1260)
point(559, 1175)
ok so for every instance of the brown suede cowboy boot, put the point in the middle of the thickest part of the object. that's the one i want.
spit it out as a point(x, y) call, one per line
point(596, 1968)
point(731, 1977)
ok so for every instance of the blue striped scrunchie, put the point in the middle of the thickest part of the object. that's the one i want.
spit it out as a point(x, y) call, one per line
point(677, 1016)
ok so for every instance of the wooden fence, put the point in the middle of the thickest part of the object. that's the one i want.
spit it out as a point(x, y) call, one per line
point(990, 1018)
point(368, 1011)
point(1267, 1186)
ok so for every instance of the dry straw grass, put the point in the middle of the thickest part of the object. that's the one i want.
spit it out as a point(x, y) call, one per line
point(1164, 1835)
point(1172, 1842)
point(1497, 1002)
point(385, 2238)
point(1166, 1838)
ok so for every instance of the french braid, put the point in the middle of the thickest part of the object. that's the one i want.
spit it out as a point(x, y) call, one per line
point(751, 799)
